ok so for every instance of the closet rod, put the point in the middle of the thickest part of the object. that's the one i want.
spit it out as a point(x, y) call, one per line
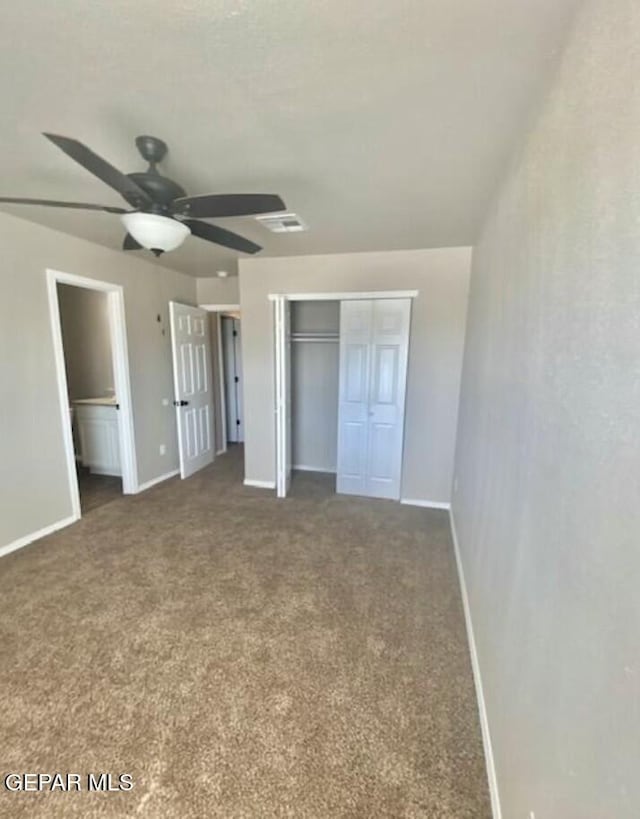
point(314, 339)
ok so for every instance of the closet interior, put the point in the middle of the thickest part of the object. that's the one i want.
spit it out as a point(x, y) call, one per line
point(315, 372)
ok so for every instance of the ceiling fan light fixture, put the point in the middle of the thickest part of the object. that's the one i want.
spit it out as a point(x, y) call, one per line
point(163, 215)
point(155, 232)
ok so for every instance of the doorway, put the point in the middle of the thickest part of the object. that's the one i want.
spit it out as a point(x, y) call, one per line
point(227, 379)
point(231, 349)
point(90, 348)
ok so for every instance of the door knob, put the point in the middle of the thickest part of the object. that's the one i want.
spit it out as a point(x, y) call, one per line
point(180, 403)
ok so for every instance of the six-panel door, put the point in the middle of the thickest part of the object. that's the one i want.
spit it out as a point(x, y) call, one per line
point(193, 395)
point(374, 341)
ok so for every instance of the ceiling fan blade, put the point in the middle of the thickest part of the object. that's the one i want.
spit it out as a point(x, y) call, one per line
point(213, 233)
point(130, 243)
point(215, 205)
point(51, 203)
point(99, 167)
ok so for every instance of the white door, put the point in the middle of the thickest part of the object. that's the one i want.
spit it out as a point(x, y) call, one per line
point(374, 344)
point(192, 386)
point(353, 396)
point(282, 324)
point(232, 356)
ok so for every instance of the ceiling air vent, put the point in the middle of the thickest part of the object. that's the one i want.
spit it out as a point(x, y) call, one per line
point(282, 222)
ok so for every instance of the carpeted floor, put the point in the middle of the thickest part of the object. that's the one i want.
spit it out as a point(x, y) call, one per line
point(241, 656)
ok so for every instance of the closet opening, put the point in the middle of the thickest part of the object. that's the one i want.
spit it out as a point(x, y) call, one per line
point(340, 386)
point(315, 374)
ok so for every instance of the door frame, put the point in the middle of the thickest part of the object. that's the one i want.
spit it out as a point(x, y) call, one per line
point(344, 295)
point(278, 354)
point(282, 395)
point(218, 309)
point(121, 378)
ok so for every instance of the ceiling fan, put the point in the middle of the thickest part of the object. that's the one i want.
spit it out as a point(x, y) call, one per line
point(162, 214)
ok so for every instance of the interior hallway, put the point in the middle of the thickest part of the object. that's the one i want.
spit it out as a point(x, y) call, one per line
point(242, 656)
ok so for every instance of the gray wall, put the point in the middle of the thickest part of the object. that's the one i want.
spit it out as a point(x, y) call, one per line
point(33, 479)
point(218, 291)
point(86, 338)
point(435, 354)
point(315, 370)
point(548, 458)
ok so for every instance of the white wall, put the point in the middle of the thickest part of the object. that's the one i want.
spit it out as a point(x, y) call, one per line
point(435, 355)
point(33, 479)
point(548, 458)
point(86, 338)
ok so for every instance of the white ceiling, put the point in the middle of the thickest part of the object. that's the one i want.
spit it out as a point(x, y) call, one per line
point(383, 124)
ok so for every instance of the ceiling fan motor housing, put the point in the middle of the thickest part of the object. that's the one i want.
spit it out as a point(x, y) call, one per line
point(160, 189)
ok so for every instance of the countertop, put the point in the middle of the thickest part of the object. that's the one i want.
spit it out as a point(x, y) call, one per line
point(105, 401)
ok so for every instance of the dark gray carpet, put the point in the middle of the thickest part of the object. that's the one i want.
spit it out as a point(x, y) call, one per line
point(241, 656)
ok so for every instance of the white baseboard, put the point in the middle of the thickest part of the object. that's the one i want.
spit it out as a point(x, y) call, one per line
point(260, 484)
point(47, 530)
point(306, 468)
point(477, 678)
point(221, 451)
point(426, 503)
point(159, 479)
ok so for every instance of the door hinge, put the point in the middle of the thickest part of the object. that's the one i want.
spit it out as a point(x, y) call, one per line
point(236, 379)
point(235, 333)
point(238, 421)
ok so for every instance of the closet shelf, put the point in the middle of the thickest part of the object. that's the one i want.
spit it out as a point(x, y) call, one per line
point(314, 335)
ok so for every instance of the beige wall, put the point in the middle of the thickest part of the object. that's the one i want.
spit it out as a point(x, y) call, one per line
point(86, 338)
point(548, 457)
point(218, 291)
point(33, 489)
point(435, 354)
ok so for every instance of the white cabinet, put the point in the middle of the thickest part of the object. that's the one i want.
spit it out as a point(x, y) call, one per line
point(97, 426)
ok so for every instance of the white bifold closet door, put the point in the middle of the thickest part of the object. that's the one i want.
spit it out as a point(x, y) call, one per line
point(374, 343)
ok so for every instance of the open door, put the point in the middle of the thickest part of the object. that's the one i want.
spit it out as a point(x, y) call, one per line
point(191, 349)
point(282, 323)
